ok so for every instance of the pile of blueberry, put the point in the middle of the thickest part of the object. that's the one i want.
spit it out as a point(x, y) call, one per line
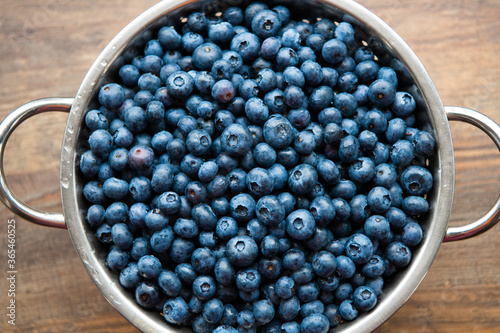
point(251, 172)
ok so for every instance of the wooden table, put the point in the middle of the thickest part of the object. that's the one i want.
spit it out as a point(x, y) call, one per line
point(47, 47)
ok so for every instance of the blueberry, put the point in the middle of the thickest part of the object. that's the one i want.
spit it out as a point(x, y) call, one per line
point(345, 266)
point(359, 248)
point(169, 202)
point(381, 93)
point(129, 75)
point(186, 228)
point(374, 121)
point(315, 323)
point(180, 84)
point(169, 38)
point(404, 104)
point(289, 308)
point(423, 143)
point(412, 234)
point(379, 199)
point(248, 280)
point(160, 140)
point(236, 140)
point(195, 305)
point(135, 119)
point(288, 157)
point(263, 311)
point(286, 56)
point(334, 51)
point(278, 132)
point(322, 210)
point(115, 188)
point(416, 180)
point(269, 210)
point(175, 310)
point(225, 329)
point(259, 182)
point(304, 143)
point(246, 44)
point(396, 130)
point(302, 179)
point(117, 212)
point(401, 153)
point(117, 258)
point(333, 315)
point(242, 207)
point(204, 81)
point(226, 162)
point(161, 240)
point(415, 205)
point(308, 292)
point(204, 287)
point(362, 170)
point(162, 178)
point(380, 154)
point(266, 23)
point(246, 319)
point(147, 294)
point(140, 157)
point(100, 142)
point(229, 315)
point(204, 217)
point(95, 215)
point(140, 189)
point(349, 149)
point(180, 250)
point(149, 82)
point(388, 74)
point(256, 110)
point(224, 272)
point(197, 21)
point(285, 287)
point(140, 247)
point(142, 98)
point(377, 227)
point(300, 224)
point(111, 95)
point(312, 72)
point(385, 175)
point(241, 251)
point(121, 236)
point(213, 310)
point(398, 254)
point(129, 276)
point(190, 164)
point(324, 263)
point(278, 231)
point(374, 268)
point(295, 97)
point(223, 91)
point(291, 38)
point(170, 283)
point(199, 324)
point(347, 310)
point(226, 228)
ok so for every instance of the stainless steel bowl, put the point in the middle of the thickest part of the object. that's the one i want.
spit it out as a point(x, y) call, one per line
point(388, 47)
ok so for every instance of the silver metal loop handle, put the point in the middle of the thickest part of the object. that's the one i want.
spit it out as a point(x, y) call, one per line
point(491, 128)
point(8, 125)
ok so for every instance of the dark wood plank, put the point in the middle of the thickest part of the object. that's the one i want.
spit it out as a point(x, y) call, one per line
point(46, 50)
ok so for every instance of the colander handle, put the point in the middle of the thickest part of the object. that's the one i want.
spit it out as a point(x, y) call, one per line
point(491, 128)
point(8, 125)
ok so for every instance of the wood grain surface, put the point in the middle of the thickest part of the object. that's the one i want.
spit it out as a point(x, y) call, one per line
point(47, 47)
